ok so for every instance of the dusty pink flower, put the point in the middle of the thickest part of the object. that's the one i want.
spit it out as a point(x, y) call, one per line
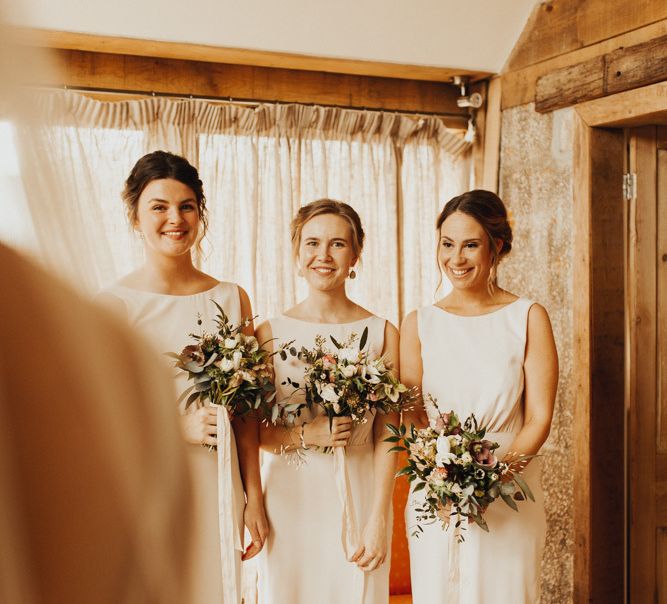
point(328, 362)
point(482, 453)
point(194, 353)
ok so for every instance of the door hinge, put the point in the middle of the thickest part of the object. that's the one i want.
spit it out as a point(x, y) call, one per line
point(629, 186)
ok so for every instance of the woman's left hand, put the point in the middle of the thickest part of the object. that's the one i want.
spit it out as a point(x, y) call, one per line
point(255, 520)
point(372, 551)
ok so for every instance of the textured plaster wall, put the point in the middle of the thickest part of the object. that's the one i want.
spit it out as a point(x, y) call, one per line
point(536, 184)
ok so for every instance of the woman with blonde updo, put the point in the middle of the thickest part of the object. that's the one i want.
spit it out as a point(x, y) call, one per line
point(481, 350)
point(305, 560)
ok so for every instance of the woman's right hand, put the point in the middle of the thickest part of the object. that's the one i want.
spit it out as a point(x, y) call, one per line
point(201, 426)
point(319, 434)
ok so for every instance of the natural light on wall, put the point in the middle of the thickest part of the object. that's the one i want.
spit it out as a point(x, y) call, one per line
point(16, 224)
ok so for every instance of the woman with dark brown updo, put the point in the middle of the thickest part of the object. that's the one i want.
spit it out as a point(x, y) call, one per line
point(165, 298)
point(313, 554)
point(481, 350)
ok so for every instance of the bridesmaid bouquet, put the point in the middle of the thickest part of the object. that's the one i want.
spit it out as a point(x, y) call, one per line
point(344, 382)
point(228, 368)
point(458, 470)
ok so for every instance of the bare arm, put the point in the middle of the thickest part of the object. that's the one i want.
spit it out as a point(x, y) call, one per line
point(541, 381)
point(373, 550)
point(412, 370)
point(247, 440)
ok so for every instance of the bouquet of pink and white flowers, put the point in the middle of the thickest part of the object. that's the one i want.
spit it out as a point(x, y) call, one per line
point(344, 382)
point(458, 470)
point(228, 368)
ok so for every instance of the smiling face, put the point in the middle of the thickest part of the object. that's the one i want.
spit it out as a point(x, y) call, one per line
point(464, 252)
point(168, 217)
point(326, 254)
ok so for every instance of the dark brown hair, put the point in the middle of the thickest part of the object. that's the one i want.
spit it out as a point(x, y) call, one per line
point(327, 206)
point(490, 212)
point(158, 165)
point(487, 209)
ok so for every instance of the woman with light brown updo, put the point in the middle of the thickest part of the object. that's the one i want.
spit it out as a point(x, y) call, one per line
point(168, 299)
point(481, 350)
point(305, 560)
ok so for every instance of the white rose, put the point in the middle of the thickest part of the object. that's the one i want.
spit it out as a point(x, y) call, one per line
point(250, 342)
point(348, 354)
point(236, 358)
point(328, 393)
point(227, 364)
point(371, 374)
point(443, 451)
point(348, 370)
point(230, 343)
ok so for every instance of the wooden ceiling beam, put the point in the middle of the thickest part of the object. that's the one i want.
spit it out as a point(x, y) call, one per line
point(240, 56)
point(617, 71)
point(175, 77)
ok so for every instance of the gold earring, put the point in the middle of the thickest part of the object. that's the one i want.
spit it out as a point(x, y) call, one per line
point(492, 280)
point(353, 274)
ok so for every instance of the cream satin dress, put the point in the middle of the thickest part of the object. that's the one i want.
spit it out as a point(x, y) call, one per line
point(475, 365)
point(218, 513)
point(304, 561)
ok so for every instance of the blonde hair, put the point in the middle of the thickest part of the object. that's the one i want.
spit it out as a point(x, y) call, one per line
point(327, 206)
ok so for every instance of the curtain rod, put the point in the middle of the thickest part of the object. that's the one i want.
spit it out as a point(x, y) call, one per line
point(249, 102)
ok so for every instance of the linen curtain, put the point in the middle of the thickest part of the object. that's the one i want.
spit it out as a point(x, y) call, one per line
point(258, 165)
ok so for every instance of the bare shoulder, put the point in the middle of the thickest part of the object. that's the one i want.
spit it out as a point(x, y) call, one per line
point(409, 324)
point(264, 335)
point(538, 318)
point(245, 299)
point(390, 330)
point(362, 313)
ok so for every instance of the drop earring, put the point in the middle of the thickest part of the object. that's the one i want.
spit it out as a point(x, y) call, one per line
point(353, 274)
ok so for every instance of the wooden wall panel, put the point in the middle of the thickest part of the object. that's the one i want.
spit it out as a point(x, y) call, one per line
point(581, 426)
point(519, 84)
point(80, 69)
point(557, 27)
point(598, 422)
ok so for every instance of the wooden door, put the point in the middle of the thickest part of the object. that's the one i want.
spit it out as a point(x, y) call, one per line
point(646, 364)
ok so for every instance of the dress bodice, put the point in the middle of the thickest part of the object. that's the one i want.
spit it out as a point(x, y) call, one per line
point(168, 320)
point(475, 364)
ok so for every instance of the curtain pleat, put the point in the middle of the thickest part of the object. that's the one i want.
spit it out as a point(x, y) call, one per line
point(258, 164)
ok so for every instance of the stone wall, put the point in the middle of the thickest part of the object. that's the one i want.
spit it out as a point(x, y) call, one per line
point(536, 184)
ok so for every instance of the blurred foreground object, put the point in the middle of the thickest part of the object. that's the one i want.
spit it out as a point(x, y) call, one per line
point(94, 503)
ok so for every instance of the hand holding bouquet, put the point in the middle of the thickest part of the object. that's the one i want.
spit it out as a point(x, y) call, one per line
point(343, 382)
point(458, 470)
point(228, 368)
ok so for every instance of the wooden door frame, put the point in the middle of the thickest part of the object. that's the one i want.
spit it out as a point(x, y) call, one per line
point(599, 211)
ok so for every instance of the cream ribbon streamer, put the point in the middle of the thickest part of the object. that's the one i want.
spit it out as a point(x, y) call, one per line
point(226, 518)
point(350, 530)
